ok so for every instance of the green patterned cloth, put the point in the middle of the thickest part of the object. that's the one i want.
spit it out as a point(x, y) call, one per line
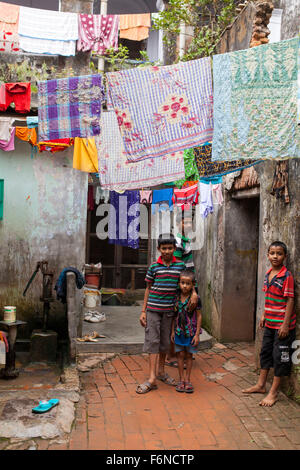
point(255, 103)
point(190, 168)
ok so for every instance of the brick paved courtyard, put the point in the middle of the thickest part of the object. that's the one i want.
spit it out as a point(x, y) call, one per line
point(111, 415)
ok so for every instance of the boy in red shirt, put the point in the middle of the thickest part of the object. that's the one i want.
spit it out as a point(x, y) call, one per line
point(279, 323)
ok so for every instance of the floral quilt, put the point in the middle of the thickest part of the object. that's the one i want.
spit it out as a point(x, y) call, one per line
point(162, 110)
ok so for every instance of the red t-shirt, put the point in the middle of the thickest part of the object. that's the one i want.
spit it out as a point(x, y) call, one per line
point(277, 292)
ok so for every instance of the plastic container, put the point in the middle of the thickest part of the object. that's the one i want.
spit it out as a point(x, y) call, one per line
point(92, 279)
point(10, 314)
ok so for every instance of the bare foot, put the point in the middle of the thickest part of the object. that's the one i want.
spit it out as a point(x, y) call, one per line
point(255, 389)
point(269, 400)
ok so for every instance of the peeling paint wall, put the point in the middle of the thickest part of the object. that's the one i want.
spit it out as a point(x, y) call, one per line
point(45, 202)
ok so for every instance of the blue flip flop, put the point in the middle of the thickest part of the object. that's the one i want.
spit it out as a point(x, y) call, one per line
point(45, 405)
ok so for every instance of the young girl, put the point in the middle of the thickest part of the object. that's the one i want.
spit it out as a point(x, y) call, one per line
point(186, 329)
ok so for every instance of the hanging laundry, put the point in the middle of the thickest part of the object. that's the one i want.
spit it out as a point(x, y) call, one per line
point(208, 168)
point(212, 179)
point(123, 225)
point(6, 124)
point(9, 42)
point(206, 203)
point(135, 27)
point(146, 196)
point(217, 194)
point(32, 121)
point(9, 18)
point(98, 32)
point(101, 195)
point(56, 145)
point(9, 145)
point(70, 107)
point(299, 84)
point(176, 108)
point(90, 199)
point(190, 168)
point(280, 187)
point(255, 102)
point(85, 157)
point(17, 93)
point(187, 184)
point(48, 32)
point(184, 198)
point(117, 174)
point(26, 134)
point(162, 199)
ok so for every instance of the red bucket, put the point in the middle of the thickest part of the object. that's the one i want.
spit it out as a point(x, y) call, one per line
point(92, 280)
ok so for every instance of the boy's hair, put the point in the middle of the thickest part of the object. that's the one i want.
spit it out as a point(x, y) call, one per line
point(281, 244)
point(166, 239)
point(188, 273)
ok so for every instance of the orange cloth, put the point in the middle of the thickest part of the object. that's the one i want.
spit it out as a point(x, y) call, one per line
point(29, 135)
point(135, 27)
point(9, 17)
point(187, 184)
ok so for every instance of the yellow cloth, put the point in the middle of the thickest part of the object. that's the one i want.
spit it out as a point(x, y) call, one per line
point(135, 27)
point(29, 135)
point(85, 156)
point(9, 17)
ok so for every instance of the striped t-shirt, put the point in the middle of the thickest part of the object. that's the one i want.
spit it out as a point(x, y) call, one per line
point(277, 292)
point(165, 281)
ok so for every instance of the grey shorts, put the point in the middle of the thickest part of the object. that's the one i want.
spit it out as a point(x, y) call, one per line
point(158, 332)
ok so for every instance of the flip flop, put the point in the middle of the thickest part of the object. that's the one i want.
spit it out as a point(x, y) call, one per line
point(145, 387)
point(87, 339)
point(167, 379)
point(45, 405)
point(180, 387)
point(188, 387)
point(96, 335)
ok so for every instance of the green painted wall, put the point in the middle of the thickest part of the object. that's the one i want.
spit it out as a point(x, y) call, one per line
point(44, 217)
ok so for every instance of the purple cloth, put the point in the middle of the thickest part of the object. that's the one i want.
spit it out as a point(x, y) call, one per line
point(10, 144)
point(123, 225)
point(70, 107)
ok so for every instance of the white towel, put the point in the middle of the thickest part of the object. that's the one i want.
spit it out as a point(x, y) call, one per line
point(48, 32)
point(46, 24)
point(6, 124)
point(206, 204)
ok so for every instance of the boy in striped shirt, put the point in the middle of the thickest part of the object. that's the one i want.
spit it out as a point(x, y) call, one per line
point(279, 323)
point(162, 283)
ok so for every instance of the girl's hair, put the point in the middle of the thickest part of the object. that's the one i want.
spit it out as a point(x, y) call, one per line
point(188, 273)
point(281, 244)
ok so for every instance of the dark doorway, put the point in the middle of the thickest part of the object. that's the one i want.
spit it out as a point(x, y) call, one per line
point(240, 269)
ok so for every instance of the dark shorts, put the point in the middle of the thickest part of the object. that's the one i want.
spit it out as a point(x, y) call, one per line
point(158, 332)
point(277, 352)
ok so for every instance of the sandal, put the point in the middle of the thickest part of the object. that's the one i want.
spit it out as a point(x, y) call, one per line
point(180, 387)
point(167, 379)
point(145, 387)
point(188, 387)
point(87, 339)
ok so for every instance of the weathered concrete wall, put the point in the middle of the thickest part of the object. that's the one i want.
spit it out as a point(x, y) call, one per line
point(290, 25)
point(45, 202)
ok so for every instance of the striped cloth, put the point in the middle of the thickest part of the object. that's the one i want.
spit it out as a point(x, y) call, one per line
point(164, 286)
point(114, 171)
point(97, 32)
point(277, 292)
point(187, 196)
point(184, 251)
point(70, 107)
point(49, 32)
point(162, 110)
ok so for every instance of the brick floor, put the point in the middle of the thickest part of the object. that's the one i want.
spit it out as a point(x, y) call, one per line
point(112, 416)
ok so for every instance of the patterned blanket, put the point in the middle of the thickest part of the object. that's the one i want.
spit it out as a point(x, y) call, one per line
point(255, 102)
point(162, 110)
point(207, 167)
point(70, 107)
point(117, 174)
